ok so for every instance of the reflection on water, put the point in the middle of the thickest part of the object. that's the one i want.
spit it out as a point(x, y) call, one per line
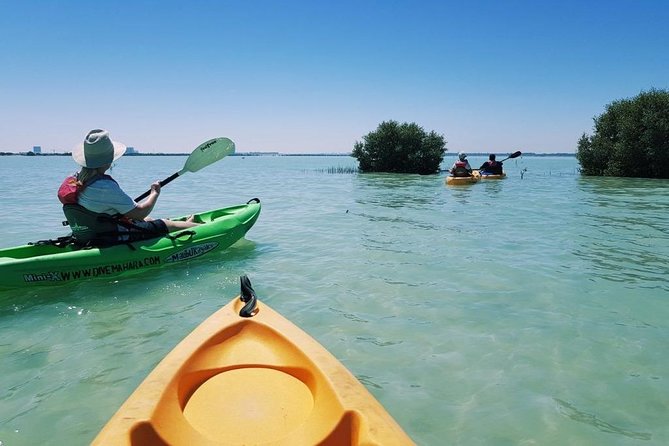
point(396, 191)
point(625, 230)
point(493, 187)
point(462, 194)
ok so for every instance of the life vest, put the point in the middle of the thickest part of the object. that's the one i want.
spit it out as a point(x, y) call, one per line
point(71, 187)
point(492, 168)
point(460, 169)
point(88, 228)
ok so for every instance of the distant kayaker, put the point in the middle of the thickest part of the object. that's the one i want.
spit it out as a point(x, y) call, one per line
point(491, 167)
point(100, 193)
point(461, 167)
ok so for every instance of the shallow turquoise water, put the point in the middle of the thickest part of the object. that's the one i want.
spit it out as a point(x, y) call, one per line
point(526, 311)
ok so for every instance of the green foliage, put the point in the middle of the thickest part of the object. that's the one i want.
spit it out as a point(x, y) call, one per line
point(631, 138)
point(400, 148)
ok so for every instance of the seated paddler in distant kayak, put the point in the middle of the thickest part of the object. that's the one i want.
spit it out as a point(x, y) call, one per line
point(461, 167)
point(98, 211)
point(491, 167)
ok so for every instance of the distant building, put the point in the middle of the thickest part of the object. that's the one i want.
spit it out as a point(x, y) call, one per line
point(130, 151)
point(37, 150)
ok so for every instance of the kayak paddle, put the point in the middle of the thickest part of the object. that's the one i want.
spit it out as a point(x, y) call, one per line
point(513, 155)
point(205, 154)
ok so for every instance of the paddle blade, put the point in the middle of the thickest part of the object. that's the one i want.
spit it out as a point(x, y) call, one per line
point(208, 153)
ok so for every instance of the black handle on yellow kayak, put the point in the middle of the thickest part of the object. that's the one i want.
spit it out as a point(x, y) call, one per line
point(248, 295)
point(512, 156)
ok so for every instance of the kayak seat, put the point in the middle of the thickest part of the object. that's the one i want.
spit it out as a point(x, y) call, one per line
point(461, 172)
point(90, 228)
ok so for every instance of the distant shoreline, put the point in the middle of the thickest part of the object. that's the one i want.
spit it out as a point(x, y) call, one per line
point(447, 154)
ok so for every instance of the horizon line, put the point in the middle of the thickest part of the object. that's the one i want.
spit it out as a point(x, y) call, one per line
point(261, 153)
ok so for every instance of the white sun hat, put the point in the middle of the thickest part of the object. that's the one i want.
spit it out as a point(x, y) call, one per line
point(97, 150)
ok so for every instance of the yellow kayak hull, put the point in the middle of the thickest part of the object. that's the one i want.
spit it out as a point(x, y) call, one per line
point(254, 380)
point(489, 176)
point(459, 181)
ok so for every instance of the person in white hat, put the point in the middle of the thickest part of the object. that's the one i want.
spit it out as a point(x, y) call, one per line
point(461, 167)
point(101, 194)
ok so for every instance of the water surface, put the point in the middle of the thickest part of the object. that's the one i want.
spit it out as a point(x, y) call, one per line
point(526, 311)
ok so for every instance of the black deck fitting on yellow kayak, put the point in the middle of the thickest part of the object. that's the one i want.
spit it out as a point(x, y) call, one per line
point(248, 295)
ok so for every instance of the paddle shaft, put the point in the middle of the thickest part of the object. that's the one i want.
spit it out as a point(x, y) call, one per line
point(513, 155)
point(162, 183)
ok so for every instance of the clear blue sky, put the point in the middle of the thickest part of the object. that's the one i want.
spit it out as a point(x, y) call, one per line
point(315, 76)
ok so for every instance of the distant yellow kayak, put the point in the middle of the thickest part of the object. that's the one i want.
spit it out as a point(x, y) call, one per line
point(457, 181)
point(247, 381)
point(488, 176)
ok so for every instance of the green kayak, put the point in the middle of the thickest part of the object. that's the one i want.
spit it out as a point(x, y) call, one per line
point(53, 262)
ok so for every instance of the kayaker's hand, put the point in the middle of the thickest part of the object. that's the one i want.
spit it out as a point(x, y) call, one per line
point(155, 187)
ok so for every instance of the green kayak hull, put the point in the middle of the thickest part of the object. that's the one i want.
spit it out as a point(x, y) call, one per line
point(47, 264)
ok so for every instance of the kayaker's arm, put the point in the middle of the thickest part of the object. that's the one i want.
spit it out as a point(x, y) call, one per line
point(144, 208)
